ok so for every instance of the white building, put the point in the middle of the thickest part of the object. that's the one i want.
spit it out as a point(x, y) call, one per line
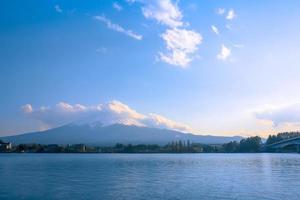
point(5, 145)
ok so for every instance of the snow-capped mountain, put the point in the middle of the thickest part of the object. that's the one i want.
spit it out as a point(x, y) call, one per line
point(95, 133)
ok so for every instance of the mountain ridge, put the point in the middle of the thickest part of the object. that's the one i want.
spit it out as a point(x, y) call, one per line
point(112, 134)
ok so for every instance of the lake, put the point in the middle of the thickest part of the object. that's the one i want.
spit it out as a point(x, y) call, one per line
point(150, 176)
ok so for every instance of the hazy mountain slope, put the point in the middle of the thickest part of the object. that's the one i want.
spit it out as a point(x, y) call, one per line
point(109, 135)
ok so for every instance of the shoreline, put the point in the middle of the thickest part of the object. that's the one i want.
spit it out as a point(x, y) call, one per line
point(146, 153)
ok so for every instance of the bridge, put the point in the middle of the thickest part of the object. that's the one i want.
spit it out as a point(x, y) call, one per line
point(281, 144)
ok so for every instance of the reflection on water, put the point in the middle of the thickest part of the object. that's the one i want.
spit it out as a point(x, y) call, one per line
point(150, 176)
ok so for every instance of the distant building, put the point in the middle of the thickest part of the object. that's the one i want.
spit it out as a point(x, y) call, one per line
point(79, 147)
point(5, 145)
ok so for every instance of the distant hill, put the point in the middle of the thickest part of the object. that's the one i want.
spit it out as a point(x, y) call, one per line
point(110, 135)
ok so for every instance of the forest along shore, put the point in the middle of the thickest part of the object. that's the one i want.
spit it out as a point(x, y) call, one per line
point(247, 145)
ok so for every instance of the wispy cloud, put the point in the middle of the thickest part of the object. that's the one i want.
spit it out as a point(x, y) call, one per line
point(109, 113)
point(231, 14)
point(224, 54)
point(27, 108)
point(221, 11)
point(117, 6)
point(58, 9)
point(228, 26)
point(132, 1)
point(101, 50)
point(118, 28)
point(215, 29)
point(238, 45)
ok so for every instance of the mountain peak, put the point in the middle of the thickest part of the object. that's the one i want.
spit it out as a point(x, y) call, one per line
point(97, 134)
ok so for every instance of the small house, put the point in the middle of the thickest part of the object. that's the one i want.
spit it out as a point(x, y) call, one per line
point(5, 145)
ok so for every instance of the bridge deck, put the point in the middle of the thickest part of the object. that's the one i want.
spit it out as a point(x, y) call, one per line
point(283, 143)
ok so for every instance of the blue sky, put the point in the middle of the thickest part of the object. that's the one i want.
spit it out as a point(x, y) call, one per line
point(216, 67)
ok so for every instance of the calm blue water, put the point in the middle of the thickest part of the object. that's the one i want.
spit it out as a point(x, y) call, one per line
point(150, 176)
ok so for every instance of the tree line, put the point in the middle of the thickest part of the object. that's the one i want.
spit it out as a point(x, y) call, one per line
point(282, 136)
point(246, 145)
point(179, 146)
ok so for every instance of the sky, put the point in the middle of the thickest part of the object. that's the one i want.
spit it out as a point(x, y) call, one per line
point(202, 66)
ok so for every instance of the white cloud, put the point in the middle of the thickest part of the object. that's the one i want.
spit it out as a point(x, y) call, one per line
point(224, 53)
point(280, 115)
point(120, 108)
point(180, 43)
point(155, 120)
point(109, 113)
point(221, 11)
point(231, 15)
point(117, 6)
point(27, 108)
point(58, 9)
point(163, 11)
point(118, 28)
point(215, 29)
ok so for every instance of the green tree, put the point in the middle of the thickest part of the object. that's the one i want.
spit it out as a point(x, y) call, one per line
point(273, 139)
point(250, 145)
point(231, 147)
